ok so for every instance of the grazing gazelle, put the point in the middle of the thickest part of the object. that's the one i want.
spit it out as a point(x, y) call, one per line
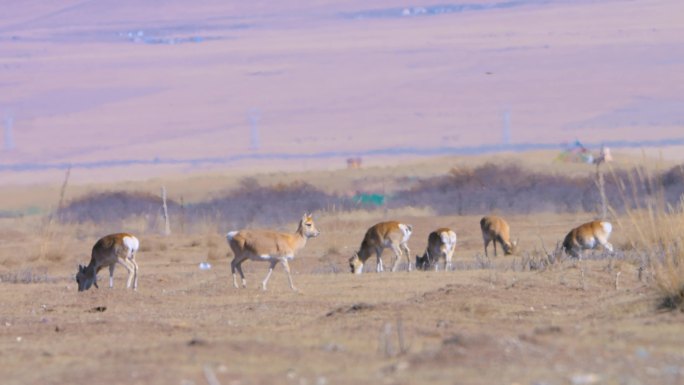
point(269, 246)
point(588, 236)
point(390, 234)
point(107, 252)
point(495, 229)
point(441, 244)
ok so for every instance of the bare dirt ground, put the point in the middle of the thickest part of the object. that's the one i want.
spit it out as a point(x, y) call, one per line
point(489, 322)
point(83, 82)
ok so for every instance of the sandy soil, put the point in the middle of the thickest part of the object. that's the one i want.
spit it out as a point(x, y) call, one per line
point(101, 81)
point(487, 322)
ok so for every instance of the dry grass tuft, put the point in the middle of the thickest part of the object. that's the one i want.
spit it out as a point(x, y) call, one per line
point(154, 244)
point(216, 254)
point(25, 276)
point(657, 231)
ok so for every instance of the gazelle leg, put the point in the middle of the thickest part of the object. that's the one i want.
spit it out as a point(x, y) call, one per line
point(447, 262)
point(135, 273)
point(236, 264)
point(131, 274)
point(407, 252)
point(233, 267)
point(286, 265)
point(111, 275)
point(606, 245)
point(128, 267)
point(494, 242)
point(486, 244)
point(270, 271)
point(378, 256)
point(397, 258)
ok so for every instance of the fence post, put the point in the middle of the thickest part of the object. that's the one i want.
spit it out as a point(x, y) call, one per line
point(604, 157)
point(602, 189)
point(167, 227)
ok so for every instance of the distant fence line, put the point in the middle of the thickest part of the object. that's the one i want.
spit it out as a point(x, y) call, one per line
point(393, 151)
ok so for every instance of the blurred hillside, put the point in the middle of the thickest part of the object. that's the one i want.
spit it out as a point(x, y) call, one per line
point(144, 89)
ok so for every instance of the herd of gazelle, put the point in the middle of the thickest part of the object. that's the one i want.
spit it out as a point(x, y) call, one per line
point(273, 247)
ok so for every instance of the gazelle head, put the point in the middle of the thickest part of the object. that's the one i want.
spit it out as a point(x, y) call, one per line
point(355, 264)
point(510, 248)
point(307, 227)
point(84, 280)
point(423, 263)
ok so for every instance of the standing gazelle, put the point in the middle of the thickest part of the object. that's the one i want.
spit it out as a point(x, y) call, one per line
point(495, 229)
point(269, 246)
point(588, 236)
point(441, 244)
point(390, 234)
point(107, 252)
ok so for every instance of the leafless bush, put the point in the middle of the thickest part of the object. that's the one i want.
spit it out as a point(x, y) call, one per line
point(114, 207)
point(673, 183)
point(254, 204)
point(512, 189)
point(503, 188)
point(506, 189)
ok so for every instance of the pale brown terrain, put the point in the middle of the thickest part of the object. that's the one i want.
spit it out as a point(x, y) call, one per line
point(504, 320)
point(175, 87)
point(481, 326)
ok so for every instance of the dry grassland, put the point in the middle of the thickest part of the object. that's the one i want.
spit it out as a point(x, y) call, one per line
point(504, 320)
point(79, 88)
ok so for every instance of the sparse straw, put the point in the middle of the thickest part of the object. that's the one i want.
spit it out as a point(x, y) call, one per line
point(210, 375)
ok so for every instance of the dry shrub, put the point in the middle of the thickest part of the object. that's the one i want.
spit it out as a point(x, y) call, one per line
point(154, 243)
point(216, 247)
point(512, 189)
point(215, 240)
point(216, 254)
point(54, 242)
point(25, 276)
point(55, 256)
point(257, 205)
point(657, 232)
point(115, 207)
point(504, 189)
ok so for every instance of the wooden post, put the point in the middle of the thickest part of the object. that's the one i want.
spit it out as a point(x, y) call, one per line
point(182, 219)
point(602, 190)
point(603, 157)
point(167, 227)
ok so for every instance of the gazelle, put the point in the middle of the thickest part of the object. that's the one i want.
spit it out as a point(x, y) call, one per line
point(495, 229)
point(588, 236)
point(107, 252)
point(269, 246)
point(390, 234)
point(441, 244)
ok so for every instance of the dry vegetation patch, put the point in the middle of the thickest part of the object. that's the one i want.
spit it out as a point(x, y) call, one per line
point(537, 318)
